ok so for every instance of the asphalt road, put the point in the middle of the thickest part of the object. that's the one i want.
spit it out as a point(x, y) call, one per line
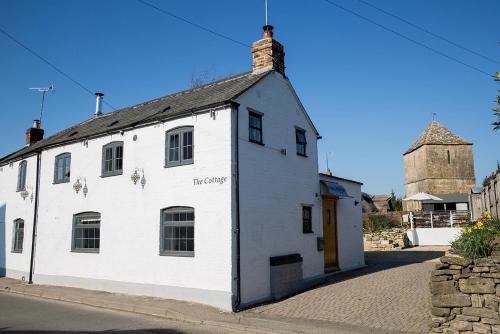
point(20, 314)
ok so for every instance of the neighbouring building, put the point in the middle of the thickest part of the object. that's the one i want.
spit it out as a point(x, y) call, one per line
point(486, 198)
point(209, 195)
point(439, 163)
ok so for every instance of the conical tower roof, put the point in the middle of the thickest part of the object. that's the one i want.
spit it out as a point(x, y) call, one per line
point(437, 134)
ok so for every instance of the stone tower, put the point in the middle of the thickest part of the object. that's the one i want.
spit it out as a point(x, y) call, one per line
point(438, 163)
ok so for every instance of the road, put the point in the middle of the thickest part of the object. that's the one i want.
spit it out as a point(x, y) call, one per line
point(20, 314)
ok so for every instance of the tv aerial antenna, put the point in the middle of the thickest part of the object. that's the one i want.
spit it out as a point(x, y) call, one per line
point(43, 90)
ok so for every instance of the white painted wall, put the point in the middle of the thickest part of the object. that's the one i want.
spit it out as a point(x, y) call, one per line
point(350, 226)
point(273, 187)
point(129, 259)
point(442, 236)
point(12, 207)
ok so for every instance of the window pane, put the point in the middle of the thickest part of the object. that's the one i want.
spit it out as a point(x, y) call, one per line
point(118, 158)
point(187, 145)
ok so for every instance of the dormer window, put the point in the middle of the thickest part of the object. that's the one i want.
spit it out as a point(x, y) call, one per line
point(112, 159)
point(21, 175)
point(62, 168)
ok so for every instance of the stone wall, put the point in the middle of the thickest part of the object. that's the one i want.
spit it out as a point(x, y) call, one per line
point(394, 238)
point(466, 296)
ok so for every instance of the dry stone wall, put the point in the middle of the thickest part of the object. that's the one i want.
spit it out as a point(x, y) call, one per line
point(466, 296)
point(391, 239)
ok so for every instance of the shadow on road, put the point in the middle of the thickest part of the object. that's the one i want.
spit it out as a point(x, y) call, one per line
point(378, 261)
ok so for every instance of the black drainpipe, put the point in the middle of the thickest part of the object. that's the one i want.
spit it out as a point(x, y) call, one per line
point(236, 306)
point(35, 215)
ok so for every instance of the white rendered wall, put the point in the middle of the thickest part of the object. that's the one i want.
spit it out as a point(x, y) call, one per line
point(129, 260)
point(442, 236)
point(350, 227)
point(12, 207)
point(273, 187)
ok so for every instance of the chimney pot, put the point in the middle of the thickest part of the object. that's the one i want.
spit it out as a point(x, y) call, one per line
point(36, 123)
point(98, 104)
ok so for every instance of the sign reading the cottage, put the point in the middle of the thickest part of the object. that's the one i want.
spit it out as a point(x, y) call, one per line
point(209, 180)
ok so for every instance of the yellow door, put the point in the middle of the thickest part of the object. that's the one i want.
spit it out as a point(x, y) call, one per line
point(330, 234)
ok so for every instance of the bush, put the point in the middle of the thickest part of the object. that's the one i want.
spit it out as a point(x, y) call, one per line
point(376, 223)
point(478, 240)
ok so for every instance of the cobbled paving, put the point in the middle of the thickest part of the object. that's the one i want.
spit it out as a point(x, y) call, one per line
point(391, 293)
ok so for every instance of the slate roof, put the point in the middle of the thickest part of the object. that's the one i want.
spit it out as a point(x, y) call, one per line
point(437, 134)
point(181, 103)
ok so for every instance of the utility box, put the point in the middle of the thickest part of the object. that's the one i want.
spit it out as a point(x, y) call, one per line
point(286, 275)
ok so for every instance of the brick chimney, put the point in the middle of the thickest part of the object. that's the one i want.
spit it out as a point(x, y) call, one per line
point(267, 53)
point(34, 134)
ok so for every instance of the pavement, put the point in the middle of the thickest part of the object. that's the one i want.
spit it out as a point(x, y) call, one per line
point(390, 295)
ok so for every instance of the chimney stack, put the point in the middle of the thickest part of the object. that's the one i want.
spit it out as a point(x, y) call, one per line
point(267, 53)
point(98, 104)
point(34, 134)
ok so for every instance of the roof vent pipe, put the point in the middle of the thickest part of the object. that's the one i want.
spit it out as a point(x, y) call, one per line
point(98, 104)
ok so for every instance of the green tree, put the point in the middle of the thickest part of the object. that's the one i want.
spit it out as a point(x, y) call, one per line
point(396, 202)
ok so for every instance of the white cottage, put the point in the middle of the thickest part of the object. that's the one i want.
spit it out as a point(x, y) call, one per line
point(209, 195)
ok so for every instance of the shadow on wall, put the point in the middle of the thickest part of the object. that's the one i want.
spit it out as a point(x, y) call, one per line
point(2, 240)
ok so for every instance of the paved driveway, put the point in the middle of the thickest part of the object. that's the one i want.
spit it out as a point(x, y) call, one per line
point(390, 294)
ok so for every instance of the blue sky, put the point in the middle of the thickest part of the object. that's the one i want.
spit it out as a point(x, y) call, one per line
point(369, 92)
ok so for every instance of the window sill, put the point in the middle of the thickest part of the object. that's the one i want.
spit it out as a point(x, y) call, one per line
point(59, 182)
point(178, 254)
point(179, 164)
point(112, 174)
point(302, 155)
point(17, 251)
point(91, 251)
point(256, 142)
point(309, 232)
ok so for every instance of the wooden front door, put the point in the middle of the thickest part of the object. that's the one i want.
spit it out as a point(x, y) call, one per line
point(330, 234)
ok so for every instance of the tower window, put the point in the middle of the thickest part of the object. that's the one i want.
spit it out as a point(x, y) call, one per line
point(449, 158)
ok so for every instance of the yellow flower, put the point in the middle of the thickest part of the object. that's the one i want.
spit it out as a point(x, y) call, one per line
point(466, 230)
point(479, 225)
point(487, 215)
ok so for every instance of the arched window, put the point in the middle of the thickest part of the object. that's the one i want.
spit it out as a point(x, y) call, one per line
point(21, 176)
point(177, 231)
point(86, 232)
point(62, 168)
point(179, 146)
point(112, 159)
point(18, 236)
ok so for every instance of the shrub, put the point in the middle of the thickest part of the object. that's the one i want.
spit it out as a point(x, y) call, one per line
point(376, 223)
point(478, 240)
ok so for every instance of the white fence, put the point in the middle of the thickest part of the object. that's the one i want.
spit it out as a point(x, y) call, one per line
point(438, 228)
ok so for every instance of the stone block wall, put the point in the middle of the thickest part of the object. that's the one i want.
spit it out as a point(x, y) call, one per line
point(391, 239)
point(465, 296)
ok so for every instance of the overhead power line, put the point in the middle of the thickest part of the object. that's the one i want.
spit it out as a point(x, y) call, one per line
point(161, 10)
point(442, 54)
point(414, 25)
point(54, 67)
